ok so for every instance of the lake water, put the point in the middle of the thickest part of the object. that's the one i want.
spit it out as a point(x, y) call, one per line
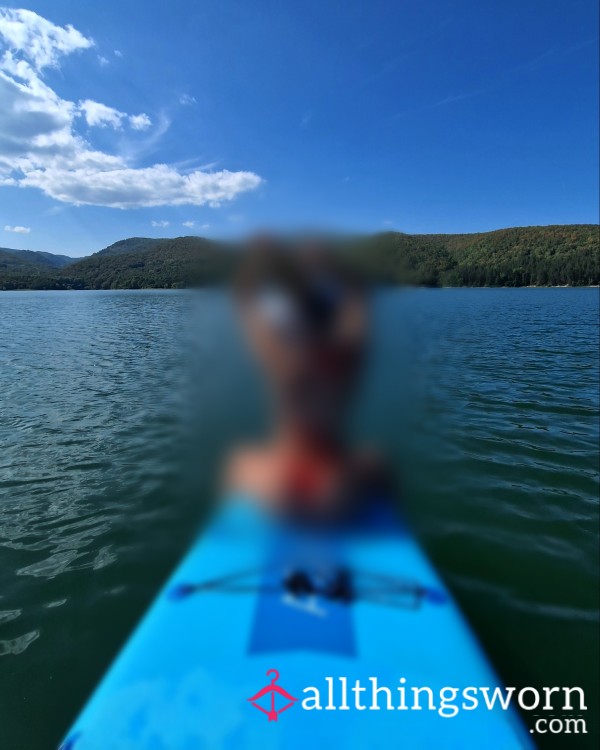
point(116, 406)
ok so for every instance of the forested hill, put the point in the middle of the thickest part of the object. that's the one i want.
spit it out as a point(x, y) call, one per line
point(17, 260)
point(523, 256)
point(132, 245)
point(140, 263)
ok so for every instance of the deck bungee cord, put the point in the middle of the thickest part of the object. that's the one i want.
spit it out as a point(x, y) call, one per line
point(344, 586)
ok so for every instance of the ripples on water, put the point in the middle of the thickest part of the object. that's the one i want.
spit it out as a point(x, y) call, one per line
point(113, 411)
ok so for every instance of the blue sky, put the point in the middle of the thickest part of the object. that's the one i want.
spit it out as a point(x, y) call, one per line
point(216, 117)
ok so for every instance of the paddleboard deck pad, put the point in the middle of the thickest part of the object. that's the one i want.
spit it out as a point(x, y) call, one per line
point(264, 632)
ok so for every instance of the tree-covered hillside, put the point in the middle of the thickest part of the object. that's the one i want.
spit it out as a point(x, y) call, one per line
point(538, 256)
point(523, 256)
point(35, 257)
point(552, 255)
point(26, 269)
point(151, 264)
point(131, 245)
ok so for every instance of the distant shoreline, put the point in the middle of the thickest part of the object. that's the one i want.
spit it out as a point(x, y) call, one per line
point(518, 257)
point(381, 287)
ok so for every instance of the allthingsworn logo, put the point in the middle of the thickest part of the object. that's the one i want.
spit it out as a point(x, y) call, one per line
point(273, 691)
point(346, 694)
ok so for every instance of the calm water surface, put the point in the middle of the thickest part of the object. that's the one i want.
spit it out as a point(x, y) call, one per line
point(115, 408)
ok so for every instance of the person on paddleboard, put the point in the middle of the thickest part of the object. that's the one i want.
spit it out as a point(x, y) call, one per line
point(305, 314)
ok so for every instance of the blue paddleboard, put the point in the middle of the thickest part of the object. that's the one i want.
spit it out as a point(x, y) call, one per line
point(269, 637)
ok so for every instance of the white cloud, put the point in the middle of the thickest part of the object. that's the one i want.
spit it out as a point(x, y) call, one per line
point(41, 146)
point(100, 115)
point(188, 224)
point(205, 226)
point(117, 53)
point(100, 182)
point(140, 122)
point(17, 230)
point(162, 223)
point(37, 40)
point(187, 100)
point(103, 60)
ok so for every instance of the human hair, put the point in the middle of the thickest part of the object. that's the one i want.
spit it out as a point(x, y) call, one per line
point(314, 278)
